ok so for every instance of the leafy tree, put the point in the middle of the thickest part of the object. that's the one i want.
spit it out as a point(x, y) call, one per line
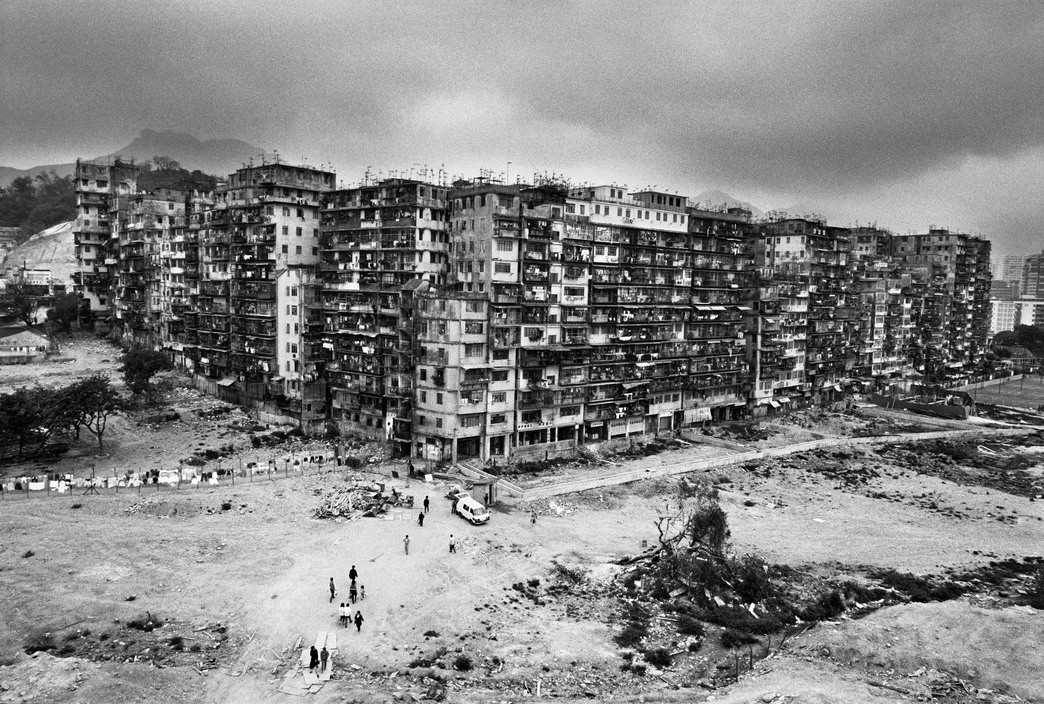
point(165, 163)
point(93, 401)
point(139, 365)
point(36, 204)
point(65, 311)
point(31, 416)
point(170, 174)
point(17, 300)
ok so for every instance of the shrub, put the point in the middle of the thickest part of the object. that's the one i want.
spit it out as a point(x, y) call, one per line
point(431, 634)
point(638, 669)
point(176, 642)
point(462, 662)
point(28, 553)
point(826, 606)
point(690, 626)
point(751, 578)
point(732, 638)
point(39, 642)
point(632, 634)
point(658, 657)
point(1037, 590)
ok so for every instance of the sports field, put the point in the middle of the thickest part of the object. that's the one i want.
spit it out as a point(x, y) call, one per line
point(1027, 392)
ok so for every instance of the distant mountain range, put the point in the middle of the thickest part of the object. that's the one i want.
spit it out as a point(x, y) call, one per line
point(218, 157)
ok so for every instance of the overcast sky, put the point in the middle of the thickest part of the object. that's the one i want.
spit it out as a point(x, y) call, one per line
point(907, 114)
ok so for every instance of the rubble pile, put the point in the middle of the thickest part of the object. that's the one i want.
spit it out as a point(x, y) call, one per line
point(360, 498)
point(146, 639)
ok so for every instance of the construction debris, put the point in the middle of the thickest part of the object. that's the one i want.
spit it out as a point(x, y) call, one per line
point(361, 499)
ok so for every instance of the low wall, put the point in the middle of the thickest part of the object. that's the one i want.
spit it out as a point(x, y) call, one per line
point(991, 382)
point(939, 410)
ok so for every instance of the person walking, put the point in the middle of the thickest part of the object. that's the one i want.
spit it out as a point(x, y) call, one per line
point(453, 544)
point(427, 504)
point(358, 621)
point(333, 590)
point(406, 544)
point(344, 615)
point(352, 593)
point(313, 658)
point(362, 593)
point(420, 519)
point(353, 573)
point(324, 656)
point(409, 467)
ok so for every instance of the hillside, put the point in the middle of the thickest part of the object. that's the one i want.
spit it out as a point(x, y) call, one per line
point(213, 156)
point(52, 249)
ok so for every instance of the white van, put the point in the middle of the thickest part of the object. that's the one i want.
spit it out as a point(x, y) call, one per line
point(472, 510)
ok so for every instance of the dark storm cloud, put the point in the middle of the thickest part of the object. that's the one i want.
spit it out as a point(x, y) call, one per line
point(789, 100)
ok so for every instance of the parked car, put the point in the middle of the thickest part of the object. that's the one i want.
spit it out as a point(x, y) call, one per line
point(471, 510)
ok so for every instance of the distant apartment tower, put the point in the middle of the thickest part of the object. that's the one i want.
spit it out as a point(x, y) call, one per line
point(96, 184)
point(1033, 276)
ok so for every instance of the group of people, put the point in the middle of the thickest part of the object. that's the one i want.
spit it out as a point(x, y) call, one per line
point(317, 658)
point(355, 593)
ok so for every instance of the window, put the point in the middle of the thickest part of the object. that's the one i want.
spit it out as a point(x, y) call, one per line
point(570, 208)
point(500, 375)
point(583, 209)
point(500, 356)
point(499, 396)
point(475, 306)
point(286, 230)
point(286, 249)
point(300, 213)
point(298, 248)
point(298, 231)
point(569, 411)
point(438, 422)
point(505, 246)
point(531, 416)
point(423, 374)
point(438, 399)
point(502, 268)
point(476, 350)
point(315, 251)
point(482, 201)
point(497, 418)
point(473, 328)
point(424, 396)
point(472, 420)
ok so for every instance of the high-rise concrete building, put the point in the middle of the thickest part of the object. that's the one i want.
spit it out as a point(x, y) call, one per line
point(378, 241)
point(954, 315)
point(97, 183)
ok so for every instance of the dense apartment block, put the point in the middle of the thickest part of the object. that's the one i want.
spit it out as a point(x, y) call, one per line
point(502, 322)
point(378, 241)
point(254, 329)
point(953, 315)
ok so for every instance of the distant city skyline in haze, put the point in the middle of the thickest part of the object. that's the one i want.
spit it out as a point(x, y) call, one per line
point(907, 115)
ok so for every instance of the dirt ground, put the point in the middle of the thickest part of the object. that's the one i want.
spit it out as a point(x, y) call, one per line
point(163, 596)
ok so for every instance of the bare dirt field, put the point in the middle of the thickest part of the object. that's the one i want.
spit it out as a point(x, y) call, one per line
point(208, 594)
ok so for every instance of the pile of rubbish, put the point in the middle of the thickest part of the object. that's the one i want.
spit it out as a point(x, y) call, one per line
point(361, 499)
